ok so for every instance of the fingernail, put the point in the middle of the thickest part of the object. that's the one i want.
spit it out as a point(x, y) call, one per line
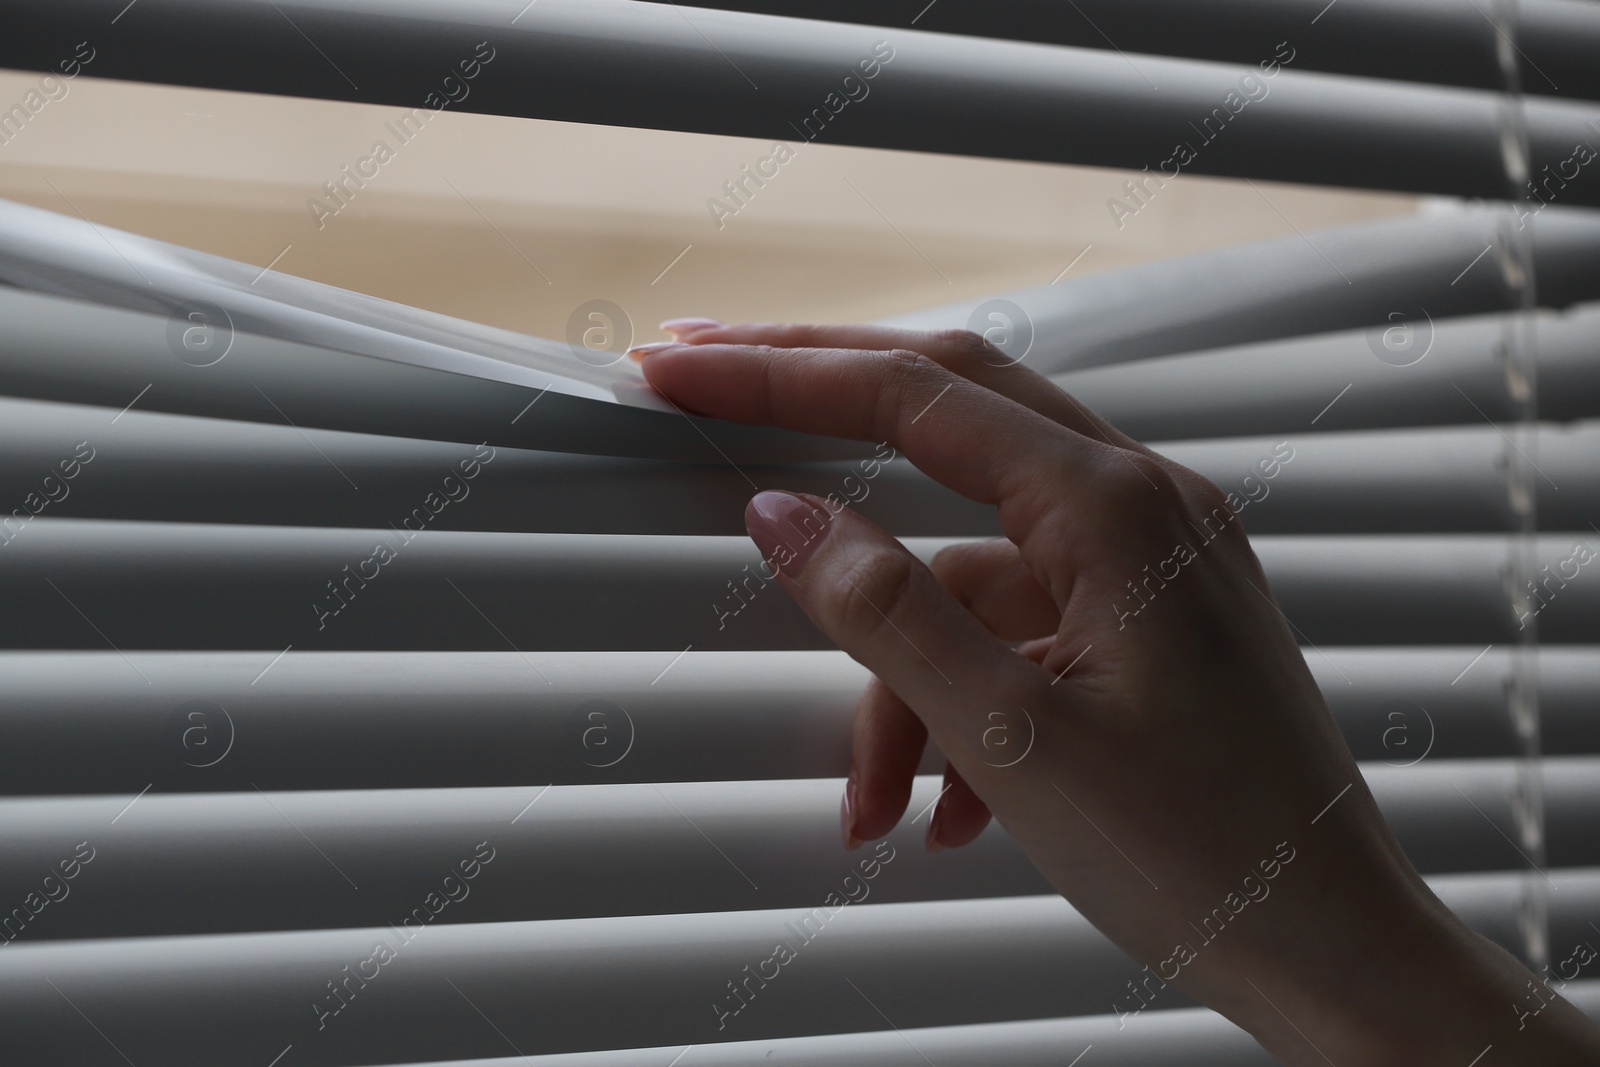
point(680, 326)
point(786, 528)
point(847, 813)
point(638, 352)
point(934, 823)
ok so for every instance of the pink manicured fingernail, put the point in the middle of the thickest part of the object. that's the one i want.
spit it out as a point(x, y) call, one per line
point(656, 346)
point(678, 326)
point(786, 528)
point(847, 813)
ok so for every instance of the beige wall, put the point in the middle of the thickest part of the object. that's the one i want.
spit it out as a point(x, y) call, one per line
point(470, 212)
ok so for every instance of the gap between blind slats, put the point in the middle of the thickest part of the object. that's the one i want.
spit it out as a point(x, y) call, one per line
point(448, 379)
point(621, 63)
point(1423, 268)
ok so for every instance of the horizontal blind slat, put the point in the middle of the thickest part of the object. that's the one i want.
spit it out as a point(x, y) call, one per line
point(1182, 1037)
point(286, 860)
point(560, 986)
point(570, 986)
point(1433, 480)
point(155, 466)
point(1444, 44)
point(175, 468)
point(1290, 386)
point(196, 586)
point(70, 351)
point(86, 722)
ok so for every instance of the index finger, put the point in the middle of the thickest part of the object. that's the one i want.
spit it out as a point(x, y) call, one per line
point(971, 439)
point(962, 351)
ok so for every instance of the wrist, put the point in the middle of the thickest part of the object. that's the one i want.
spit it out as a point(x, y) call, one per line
point(1417, 987)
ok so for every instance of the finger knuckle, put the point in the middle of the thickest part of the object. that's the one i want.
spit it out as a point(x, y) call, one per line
point(963, 343)
point(1214, 511)
point(905, 375)
point(1141, 491)
point(1142, 509)
point(907, 365)
point(1205, 494)
point(950, 560)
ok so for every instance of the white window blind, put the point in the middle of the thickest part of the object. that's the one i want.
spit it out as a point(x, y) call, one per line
point(522, 747)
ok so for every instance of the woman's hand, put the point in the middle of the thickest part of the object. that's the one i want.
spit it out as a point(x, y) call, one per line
point(1154, 741)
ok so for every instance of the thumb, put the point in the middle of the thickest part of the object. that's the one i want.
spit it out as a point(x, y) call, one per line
point(884, 607)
